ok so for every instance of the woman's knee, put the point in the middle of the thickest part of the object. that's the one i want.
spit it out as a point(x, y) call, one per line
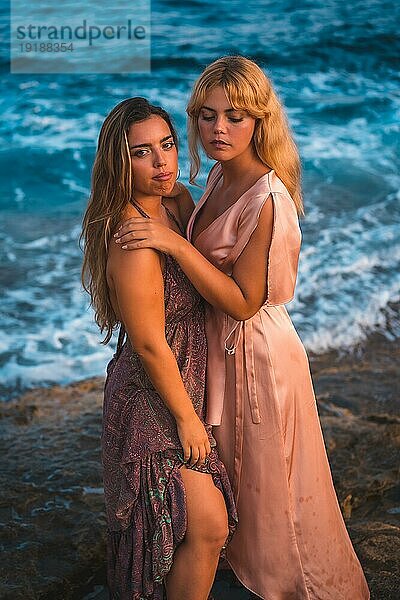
point(217, 529)
point(206, 510)
point(212, 531)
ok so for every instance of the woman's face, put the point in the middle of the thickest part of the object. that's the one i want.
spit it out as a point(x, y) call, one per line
point(225, 132)
point(154, 157)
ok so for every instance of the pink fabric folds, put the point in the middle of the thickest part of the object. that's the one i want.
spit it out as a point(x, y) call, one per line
point(291, 542)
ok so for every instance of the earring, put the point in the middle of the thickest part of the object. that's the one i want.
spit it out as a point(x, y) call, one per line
point(179, 174)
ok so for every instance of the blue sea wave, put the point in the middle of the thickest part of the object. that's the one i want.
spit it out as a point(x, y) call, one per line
point(334, 66)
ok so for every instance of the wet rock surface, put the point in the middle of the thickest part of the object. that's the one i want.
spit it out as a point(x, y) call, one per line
point(52, 521)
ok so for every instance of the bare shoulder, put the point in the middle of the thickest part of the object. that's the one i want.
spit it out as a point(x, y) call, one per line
point(132, 267)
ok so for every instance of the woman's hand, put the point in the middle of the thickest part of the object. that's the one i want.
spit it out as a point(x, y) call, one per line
point(194, 439)
point(139, 232)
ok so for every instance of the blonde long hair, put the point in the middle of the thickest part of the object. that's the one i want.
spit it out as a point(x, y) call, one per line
point(112, 187)
point(248, 88)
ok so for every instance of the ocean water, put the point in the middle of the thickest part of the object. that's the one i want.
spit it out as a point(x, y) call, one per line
point(334, 65)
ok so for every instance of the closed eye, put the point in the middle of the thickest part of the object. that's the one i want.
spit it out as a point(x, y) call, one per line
point(231, 119)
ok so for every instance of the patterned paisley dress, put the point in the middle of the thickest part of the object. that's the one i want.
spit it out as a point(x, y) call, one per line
point(142, 454)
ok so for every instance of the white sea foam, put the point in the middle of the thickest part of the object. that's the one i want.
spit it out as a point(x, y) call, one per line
point(344, 110)
point(346, 279)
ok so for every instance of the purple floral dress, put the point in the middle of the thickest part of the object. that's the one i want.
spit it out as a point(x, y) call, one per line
point(142, 454)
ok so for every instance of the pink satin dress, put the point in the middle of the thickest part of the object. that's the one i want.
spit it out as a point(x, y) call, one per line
point(291, 542)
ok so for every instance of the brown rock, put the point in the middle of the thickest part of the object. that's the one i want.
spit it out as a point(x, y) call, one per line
point(52, 521)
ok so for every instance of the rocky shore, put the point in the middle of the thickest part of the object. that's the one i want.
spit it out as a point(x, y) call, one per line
point(52, 519)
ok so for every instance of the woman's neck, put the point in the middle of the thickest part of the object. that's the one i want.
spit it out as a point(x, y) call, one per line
point(240, 167)
point(151, 205)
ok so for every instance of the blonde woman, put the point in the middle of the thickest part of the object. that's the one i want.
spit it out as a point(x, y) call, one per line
point(168, 498)
point(291, 540)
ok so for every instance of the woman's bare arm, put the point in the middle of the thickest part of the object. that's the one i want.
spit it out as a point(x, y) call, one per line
point(240, 295)
point(139, 289)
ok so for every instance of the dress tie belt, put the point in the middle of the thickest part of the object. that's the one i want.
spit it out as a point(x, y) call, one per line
point(248, 363)
point(244, 368)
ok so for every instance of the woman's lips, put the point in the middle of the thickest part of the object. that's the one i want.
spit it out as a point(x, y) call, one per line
point(163, 177)
point(219, 144)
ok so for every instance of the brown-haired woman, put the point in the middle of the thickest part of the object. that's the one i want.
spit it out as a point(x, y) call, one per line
point(291, 540)
point(168, 500)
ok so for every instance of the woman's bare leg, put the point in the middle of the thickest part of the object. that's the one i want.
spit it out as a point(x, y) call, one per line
point(195, 561)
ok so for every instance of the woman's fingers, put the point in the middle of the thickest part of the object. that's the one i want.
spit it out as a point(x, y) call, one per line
point(202, 456)
point(122, 225)
point(194, 456)
point(195, 443)
point(130, 224)
point(137, 245)
point(186, 452)
point(199, 454)
point(134, 229)
point(132, 236)
point(208, 447)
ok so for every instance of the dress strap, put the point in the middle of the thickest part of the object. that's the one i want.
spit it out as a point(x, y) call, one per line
point(139, 209)
point(169, 213)
point(121, 339)
point(173, 218)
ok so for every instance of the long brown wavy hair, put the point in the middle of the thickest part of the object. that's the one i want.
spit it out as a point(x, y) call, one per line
point(112, 186)
point(248, 88)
